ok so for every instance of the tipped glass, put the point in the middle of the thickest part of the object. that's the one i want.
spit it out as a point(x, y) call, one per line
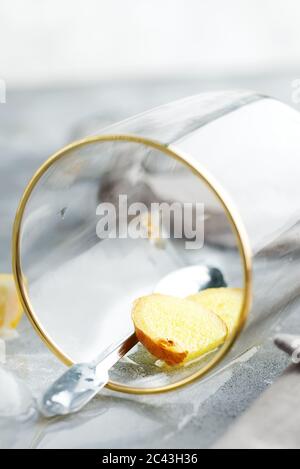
point(231, 153)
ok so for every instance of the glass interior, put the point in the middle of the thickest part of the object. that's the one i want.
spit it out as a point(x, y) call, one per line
point(81, 286)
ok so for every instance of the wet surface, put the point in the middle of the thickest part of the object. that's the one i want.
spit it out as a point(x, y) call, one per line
point(33, 124)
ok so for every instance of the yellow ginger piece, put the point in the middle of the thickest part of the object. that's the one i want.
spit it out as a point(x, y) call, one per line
point(10, 306)
point(176, 330)
point(225, 302)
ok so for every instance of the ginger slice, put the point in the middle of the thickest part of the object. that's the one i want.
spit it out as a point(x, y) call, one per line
point(225, 302)
point(10, 307)
point(176, 330)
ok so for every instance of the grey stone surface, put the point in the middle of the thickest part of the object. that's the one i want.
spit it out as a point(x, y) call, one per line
point(35, 123)
point(272, 421)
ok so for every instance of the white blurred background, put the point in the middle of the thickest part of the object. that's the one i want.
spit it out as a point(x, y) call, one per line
point(50, 42)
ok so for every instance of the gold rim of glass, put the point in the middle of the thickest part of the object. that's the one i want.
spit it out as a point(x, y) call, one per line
point(233, 218)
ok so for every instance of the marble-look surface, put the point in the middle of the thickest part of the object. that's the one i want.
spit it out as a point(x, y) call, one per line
point(33, 124)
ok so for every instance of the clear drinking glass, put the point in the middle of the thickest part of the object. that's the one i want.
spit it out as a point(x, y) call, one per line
point(232, 151)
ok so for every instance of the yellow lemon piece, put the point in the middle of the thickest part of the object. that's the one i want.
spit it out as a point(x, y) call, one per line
point(176, 330)
point(10, 306)
point(225, 302)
